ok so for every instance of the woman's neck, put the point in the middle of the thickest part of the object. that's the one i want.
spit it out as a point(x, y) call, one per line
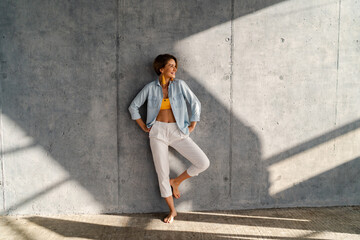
point(167, 80)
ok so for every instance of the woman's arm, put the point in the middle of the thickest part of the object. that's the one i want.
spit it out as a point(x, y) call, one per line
point(142, 125)
point(192, 126)
point(136, 104)
point(194, 102)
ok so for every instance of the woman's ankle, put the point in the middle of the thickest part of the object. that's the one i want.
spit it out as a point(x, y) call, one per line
point(173, 213)
point(175, 181)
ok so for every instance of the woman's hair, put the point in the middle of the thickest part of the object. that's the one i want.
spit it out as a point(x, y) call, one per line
point(161, 60)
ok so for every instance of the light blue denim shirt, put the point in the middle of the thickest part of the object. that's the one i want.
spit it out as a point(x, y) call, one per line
point(178, 92)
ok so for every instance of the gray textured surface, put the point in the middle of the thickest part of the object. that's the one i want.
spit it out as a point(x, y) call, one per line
point(59, 106)
point(284, 94)
point(278, 82)
point(292, 223)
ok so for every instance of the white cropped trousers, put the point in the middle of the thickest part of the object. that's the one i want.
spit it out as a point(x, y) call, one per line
point(162, 135)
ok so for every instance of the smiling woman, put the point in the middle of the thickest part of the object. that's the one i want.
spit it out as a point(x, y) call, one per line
point(168, 124)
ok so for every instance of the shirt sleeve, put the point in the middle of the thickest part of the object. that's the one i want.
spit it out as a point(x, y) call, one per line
point(138, 102)
point(194, 102)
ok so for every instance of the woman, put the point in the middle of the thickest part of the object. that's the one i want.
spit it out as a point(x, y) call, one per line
point(168, 124)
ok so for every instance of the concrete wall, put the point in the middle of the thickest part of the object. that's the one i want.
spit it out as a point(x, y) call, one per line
point(278, 82)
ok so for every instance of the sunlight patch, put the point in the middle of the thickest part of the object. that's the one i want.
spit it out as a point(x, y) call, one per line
point(314, 161)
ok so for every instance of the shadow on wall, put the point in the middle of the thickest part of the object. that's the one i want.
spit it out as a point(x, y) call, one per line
point(344, 175)
point(59, 87)
point(59, 106)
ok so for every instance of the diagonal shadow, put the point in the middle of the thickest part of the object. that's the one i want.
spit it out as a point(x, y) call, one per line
point(17, 149)
point(336, 220)
point(96, 231)
point(51, 90)
point(345, 175)
point(35, 196)
point(17, 231)
point(314, 142)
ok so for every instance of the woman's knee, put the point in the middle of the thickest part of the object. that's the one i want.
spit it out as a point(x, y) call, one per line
point(205, 164)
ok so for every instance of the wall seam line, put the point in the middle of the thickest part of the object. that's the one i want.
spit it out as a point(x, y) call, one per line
point(117, 102)
point(231, 93)
point(337, 70)
point(1, 149)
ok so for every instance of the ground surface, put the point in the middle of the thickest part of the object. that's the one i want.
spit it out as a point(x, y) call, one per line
point(294, 223)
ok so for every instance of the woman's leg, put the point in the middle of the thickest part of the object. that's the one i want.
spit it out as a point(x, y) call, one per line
point(159, 151)
point(175, 183)
point(170, 202)
point(191, 151)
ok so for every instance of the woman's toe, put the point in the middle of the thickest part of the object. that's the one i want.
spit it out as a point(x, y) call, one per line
point(169, 219)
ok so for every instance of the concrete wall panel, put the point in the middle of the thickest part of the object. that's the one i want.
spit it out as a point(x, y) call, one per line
point(348, 94)
point(348, 101)
point(285, 83)
point(179, 28)
point(59, 107)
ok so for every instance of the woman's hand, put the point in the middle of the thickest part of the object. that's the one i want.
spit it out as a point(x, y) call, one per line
point(146, 129)
point(192, 126)
point(142, 125)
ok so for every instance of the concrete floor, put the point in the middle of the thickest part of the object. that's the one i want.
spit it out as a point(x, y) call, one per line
point(292, 223)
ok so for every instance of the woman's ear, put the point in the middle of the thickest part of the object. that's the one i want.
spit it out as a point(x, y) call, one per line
point(161, 70)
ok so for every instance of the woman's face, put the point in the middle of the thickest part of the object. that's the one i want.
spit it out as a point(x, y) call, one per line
point(170, 69)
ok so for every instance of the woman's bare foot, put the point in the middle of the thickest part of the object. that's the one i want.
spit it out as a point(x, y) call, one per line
point(170, 218)
point(175, 188)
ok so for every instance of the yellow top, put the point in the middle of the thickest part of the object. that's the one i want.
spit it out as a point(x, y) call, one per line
point(165, 104)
